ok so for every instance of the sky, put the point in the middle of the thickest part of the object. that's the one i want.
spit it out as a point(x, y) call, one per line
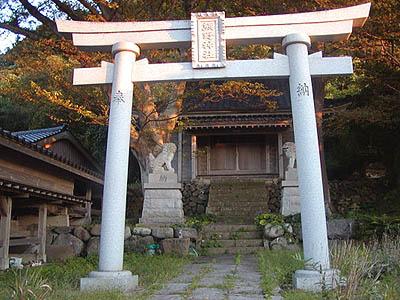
point(7, 39)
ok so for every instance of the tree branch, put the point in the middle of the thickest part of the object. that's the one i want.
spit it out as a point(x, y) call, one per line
point(105, 10)
point(18, 30)
point(36, 13)
point(67, 9)
point(92, 10)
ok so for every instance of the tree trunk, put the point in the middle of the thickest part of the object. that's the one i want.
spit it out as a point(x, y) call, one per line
point(318, 86)
point(153, 127)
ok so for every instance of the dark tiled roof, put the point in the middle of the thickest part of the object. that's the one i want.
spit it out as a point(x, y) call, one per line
point(36, 135)
point(29, 145)
point(237, 121)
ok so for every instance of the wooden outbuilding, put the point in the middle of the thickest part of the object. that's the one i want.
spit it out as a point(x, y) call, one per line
point(46, 179)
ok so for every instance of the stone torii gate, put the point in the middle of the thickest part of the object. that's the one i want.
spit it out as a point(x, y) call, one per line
point(208, 34)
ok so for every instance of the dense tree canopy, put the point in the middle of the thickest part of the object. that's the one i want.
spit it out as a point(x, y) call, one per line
point(35, 76)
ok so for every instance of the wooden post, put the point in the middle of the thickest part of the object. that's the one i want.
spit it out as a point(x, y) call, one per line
point(42, 226)
point(88, 214)
point(5, 226)
point(179, 156)
point(280, 155)
point(88, 205)
point(194, 157)
point(267, 156)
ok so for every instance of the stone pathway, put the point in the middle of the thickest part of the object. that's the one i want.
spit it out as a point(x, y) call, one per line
point(224, 277)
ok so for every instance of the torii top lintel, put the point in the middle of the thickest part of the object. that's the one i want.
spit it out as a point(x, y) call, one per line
point(329, 25)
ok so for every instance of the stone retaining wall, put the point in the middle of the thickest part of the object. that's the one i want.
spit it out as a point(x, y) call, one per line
point(274, 191)
point(63, 242)
point(195, 197)
point(358, 193)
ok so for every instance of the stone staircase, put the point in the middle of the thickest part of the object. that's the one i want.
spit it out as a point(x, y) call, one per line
point(231, 239)
point(237, 201)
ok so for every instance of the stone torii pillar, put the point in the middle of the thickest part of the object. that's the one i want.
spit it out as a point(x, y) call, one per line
point(313, 220)
point(110, 273)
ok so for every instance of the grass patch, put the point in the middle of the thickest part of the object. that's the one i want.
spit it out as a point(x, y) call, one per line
point(277, 268)
point(63, 277)
point(372, 271)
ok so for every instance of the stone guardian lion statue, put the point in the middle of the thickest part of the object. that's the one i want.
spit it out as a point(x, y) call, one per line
point(162, 162)
point(289, 148)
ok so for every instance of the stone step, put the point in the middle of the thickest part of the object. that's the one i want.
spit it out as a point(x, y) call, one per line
point(245, 209)
point(228, 228)
point(241, 243)
point(238, 205)
point(233, 250)
point(231, 235)
point(239, 214)
point(251, 194)
point(237, 188)
point(238, 211)
point(239, 182)
point(236, 220)
point(232, 201)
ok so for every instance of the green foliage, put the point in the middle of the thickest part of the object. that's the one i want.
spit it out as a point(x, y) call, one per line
point(235, 235)
point(265, 219)
point(238, 258)
point(201, 220)
point(212, 242)
point(377, 225)
point(293, 219)
point(236, 91)
point(392, 201)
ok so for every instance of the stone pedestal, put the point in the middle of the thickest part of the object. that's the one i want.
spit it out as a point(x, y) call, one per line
point(290, 202)
point(162, 200)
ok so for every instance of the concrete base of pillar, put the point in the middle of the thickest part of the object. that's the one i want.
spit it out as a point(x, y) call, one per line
point(310, 280)
point(123, 281)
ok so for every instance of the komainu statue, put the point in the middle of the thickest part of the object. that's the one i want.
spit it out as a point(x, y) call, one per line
point(162, 162)
point(289, 148)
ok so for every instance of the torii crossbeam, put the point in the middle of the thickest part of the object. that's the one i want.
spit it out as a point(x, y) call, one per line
point(208, 34)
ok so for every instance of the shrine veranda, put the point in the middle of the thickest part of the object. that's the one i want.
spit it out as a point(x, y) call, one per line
point(208, 34)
